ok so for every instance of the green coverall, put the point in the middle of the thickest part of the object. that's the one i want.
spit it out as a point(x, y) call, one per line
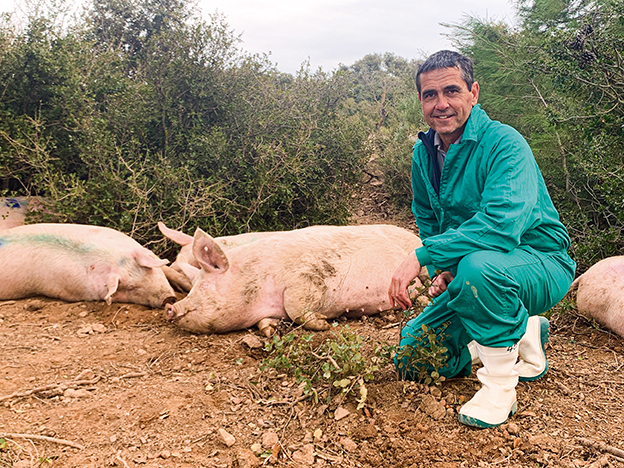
point(493, 225)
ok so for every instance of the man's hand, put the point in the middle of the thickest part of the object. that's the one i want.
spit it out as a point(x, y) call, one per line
point(403, 276)
point(440, 283)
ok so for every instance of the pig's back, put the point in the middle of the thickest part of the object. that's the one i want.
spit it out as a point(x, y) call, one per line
point(342, 267)
point(601, 293)
point(35, 261)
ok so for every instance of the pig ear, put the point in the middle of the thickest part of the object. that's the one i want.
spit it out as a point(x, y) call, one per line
point(176, 236)
point(147, 259)
point(208, 254)
point(112, 284)
point(189, 270)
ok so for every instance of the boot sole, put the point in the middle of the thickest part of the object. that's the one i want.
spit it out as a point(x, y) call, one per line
point(474, 422)
point(544, 337)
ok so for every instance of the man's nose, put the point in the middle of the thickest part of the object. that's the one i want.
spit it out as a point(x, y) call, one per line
point(441, 102)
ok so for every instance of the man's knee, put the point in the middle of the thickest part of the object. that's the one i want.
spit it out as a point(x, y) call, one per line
point(476, 269)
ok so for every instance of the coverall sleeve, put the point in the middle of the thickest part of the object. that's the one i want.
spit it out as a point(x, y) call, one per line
point(509, 179)
point(426, 220)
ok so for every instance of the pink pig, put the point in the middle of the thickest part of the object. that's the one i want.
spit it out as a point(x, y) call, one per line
point(185, 256)
point(600, 293)
point(74, 262)
point(306, 275)
point(13, 210)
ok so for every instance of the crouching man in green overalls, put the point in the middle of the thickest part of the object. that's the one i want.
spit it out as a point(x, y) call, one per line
point(488, 224)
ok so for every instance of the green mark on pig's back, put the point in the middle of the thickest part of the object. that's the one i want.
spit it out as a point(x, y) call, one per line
point(53, 241)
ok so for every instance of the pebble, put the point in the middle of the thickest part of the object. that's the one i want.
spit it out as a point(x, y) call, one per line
point(71, 393)
point(305, 455)
point(227, 438)
point(246, 458)
point(341, 413)
point(253, 341)
point(513, 428)
point(348, 444)
point(432, 407)
point(269, 439)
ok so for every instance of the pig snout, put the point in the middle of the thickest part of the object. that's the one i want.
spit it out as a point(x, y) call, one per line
point(173, 312)
point(168, 301)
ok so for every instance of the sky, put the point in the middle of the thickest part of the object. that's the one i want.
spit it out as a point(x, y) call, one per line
point(331, 32)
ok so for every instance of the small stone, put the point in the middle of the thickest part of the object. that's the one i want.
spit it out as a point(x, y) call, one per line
point(83, 314)
point(365, 431)
point(513, 428)
point(341, 413)
point(253, 341)
point(227, 438)
point(113, 438)
point(305, 455)
point(98, 328)
point(86, 374)
point(436, 392)
point(432, 407)
point(256, 448)
point(348, 444)
point(269, 439)
point(34, 305)
point(86, 330)
point(141, 352)
point(165, 454)
point(308, 438)
point(317, 435)
point(246, 459)
point(71, 393)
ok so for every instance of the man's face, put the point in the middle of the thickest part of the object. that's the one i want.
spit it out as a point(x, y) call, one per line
point(446, 102)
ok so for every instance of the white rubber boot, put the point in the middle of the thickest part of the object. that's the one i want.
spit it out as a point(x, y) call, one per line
point(496, 401)
point(472, 347)
point(533, 363)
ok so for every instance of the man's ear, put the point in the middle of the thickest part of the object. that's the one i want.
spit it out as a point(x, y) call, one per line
point(475, 92)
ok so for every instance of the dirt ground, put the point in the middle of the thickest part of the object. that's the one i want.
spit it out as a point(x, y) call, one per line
point(91, 385)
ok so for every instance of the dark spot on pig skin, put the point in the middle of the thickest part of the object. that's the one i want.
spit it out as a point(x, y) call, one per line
point(250, 291)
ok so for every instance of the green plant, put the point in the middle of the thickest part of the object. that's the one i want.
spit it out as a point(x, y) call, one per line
point(426, 356)
point(339, 363)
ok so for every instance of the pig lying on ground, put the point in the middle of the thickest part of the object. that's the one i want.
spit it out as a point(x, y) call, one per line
point(75, 262)
point(600, 293)
point(185, 256)
point(307, 275)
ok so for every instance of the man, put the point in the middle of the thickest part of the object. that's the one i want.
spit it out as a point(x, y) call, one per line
point(488, 224)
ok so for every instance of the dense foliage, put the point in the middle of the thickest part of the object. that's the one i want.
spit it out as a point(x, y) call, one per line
point(139, 111)
point(558, 77)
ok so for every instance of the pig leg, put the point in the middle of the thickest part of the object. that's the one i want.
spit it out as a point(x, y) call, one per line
point(314, 321)
point(300, 301)
point(177, 280)
point(268, 326)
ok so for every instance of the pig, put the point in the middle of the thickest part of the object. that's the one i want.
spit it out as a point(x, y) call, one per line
point(600, 293)
point(74, 262)
point(307, 275)
point(13, 210)
point(185, 256)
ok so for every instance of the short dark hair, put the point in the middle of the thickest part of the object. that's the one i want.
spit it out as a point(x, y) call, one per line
point(447, 59)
